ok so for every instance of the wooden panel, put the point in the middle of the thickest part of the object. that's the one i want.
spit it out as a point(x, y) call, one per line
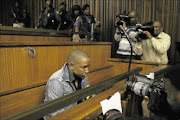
point(20, 70)
point(15, 40)
point(23, 100)
point(20, 101)
point(120, 67)
point(100, 75)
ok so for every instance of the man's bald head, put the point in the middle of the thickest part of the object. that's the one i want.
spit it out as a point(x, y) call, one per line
point(76, 55)
point(158, 27)
point(133, 13)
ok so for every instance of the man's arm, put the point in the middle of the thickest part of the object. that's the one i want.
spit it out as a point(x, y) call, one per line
point(54, 90)
point(77, 24)
point(161, 45)
point(78, 39)
point(138, 49)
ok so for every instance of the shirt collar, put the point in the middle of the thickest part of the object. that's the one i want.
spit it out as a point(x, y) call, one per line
point(71, 76)
point(159, 36)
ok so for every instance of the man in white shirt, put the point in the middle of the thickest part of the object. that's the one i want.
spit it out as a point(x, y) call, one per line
point(154, 49)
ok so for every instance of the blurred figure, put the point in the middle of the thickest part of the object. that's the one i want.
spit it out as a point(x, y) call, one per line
point(19, 16)
point(66, 20)
point(86, 23)
point(134, 17)
point(76, 11)
point(129, 23)
point(154, 48)
point(49, 18)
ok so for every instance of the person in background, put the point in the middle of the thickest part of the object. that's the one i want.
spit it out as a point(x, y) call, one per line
point(129, 25)
point(49, 17)
point(84, 24)
point(76, 11)
point(19, 16)
point(164, 106)
point(71, 77)
point(155, 47)
point(66, 20)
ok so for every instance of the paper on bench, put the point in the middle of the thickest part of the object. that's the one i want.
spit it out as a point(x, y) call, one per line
point(113, 103)
point(151, 75)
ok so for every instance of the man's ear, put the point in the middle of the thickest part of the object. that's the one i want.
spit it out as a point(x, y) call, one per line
point(162, 29)
point(71, 65)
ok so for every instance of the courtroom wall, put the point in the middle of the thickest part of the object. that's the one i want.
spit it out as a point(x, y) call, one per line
point(105, 10)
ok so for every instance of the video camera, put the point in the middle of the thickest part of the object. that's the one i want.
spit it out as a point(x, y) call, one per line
point(147, 26)
point(124, 17)
point(143, 86)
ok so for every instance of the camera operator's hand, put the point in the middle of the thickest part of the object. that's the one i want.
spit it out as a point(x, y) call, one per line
point(145, 109)
point(117, 20)
point(116, 23)
point(148, 34)
point(124, 24)
point(137, 39)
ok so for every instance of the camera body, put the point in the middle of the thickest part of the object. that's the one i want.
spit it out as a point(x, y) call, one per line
point(124, 18)
point(143, 36)
point(143, 86)
point(147, 26)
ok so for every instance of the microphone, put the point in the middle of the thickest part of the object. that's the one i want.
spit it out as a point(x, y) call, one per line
point(130, 59)
point(122, 29)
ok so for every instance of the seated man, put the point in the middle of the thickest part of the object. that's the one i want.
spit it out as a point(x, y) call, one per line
point(154, 49)
point(71, 77)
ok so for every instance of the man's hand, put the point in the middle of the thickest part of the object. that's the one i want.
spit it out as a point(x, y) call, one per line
point(145, 109)
point(148, 34)
point(116, 23)
point(124, 24)
point(78, 38)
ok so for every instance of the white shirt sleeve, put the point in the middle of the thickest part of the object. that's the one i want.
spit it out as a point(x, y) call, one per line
point(138, 48)
point(161, 45)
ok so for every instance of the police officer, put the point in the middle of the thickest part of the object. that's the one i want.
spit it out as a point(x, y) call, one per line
point(83, 24)
point(66, 22)
point(49, 18)
point(19, 16)
point(76, 11)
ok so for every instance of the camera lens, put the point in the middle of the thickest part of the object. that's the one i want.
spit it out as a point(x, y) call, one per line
point(141, 89)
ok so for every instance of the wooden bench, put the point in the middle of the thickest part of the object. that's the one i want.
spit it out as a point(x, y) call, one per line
point(92, 105)
point(23, 76)
point(51, 106)
point(24, 99)
point(91, 108)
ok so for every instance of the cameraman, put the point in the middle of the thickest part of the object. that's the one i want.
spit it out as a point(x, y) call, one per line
point(167, 105)
point(164, 106)
point(154, 48)
point(124, 49)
